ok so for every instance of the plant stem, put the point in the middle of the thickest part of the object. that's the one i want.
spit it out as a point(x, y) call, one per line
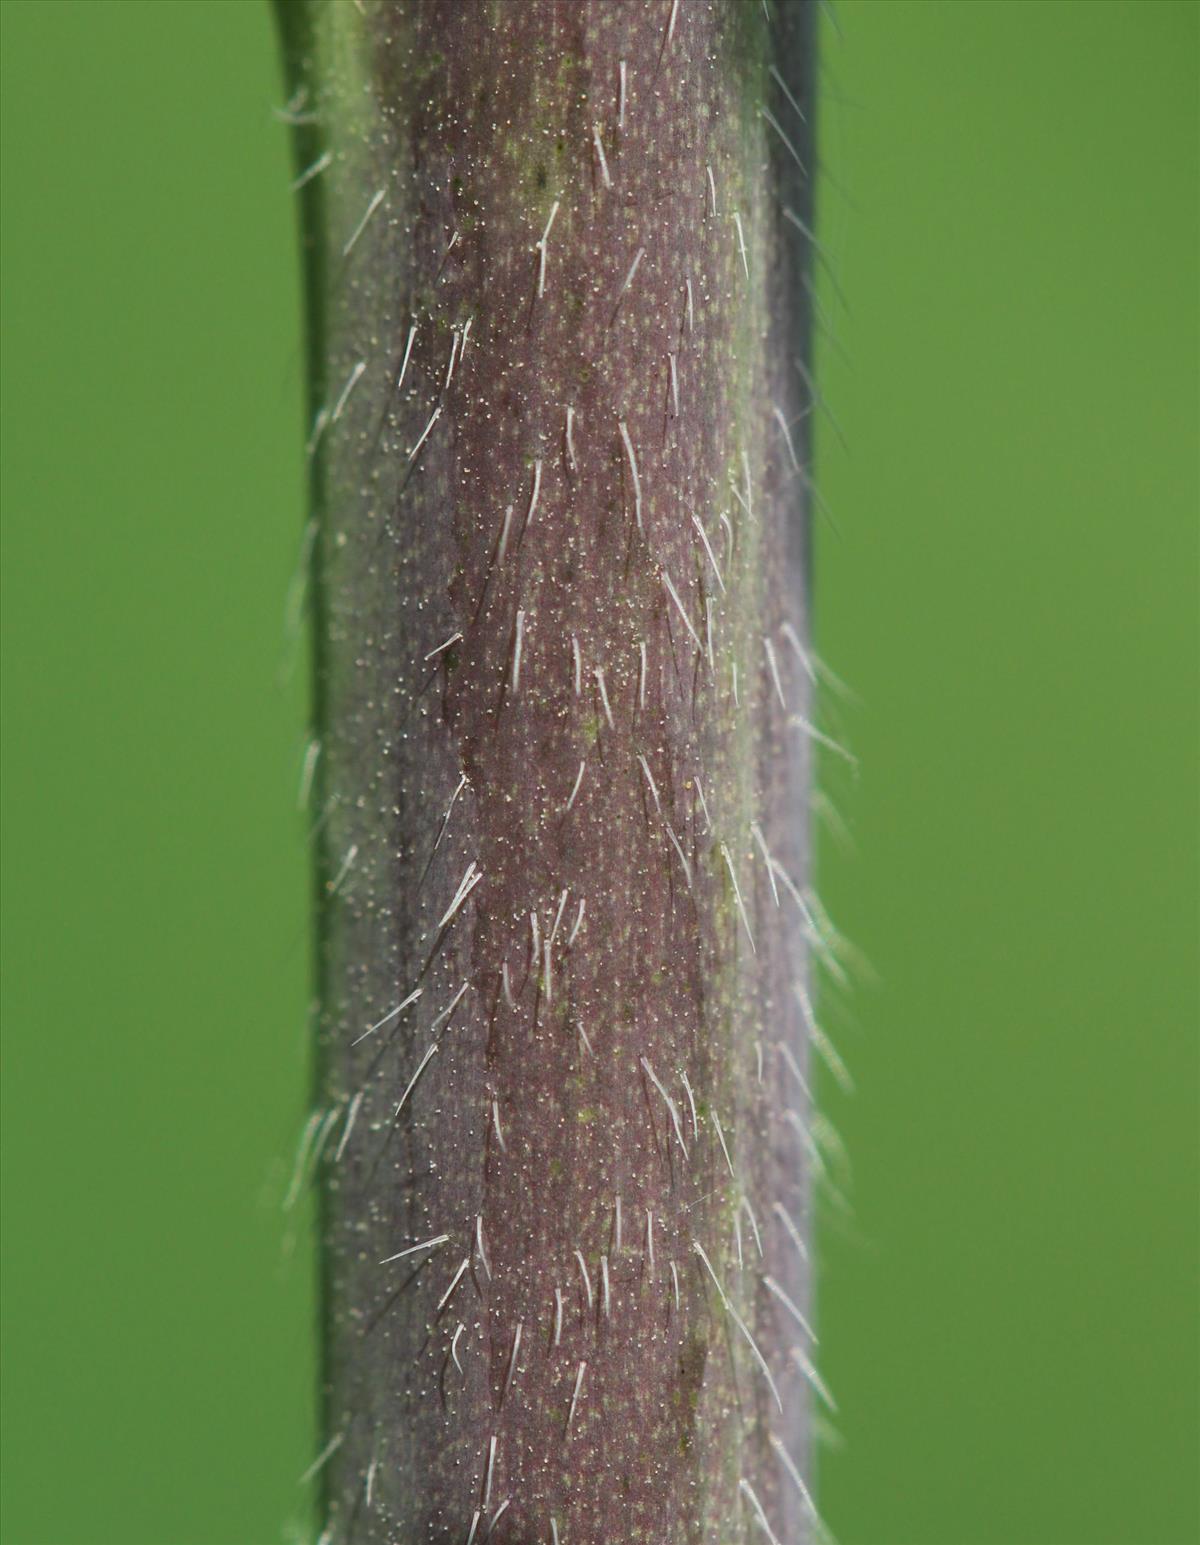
point(556, 254)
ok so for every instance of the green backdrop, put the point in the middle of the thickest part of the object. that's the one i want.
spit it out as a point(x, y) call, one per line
point(1009, 1320)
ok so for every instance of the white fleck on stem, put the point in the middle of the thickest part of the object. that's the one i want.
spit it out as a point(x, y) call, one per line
point(558, 1315)
point(712, 191)
point(621, 94)
point(650, 1244)
point(642, 674)
point(454, 1340)
point(570, 440)
point(577, 657)
point(571, 939)
point(674, 385)
point(605, 1289)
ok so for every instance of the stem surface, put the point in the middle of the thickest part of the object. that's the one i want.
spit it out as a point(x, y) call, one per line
point(557, 253)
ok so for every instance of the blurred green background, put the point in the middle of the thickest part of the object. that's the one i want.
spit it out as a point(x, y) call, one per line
point(1010, 1323)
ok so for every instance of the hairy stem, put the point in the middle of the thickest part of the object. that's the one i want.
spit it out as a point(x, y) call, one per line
point(557, 253)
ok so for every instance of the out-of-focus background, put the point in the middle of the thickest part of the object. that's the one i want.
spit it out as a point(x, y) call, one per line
point(1010, 207)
